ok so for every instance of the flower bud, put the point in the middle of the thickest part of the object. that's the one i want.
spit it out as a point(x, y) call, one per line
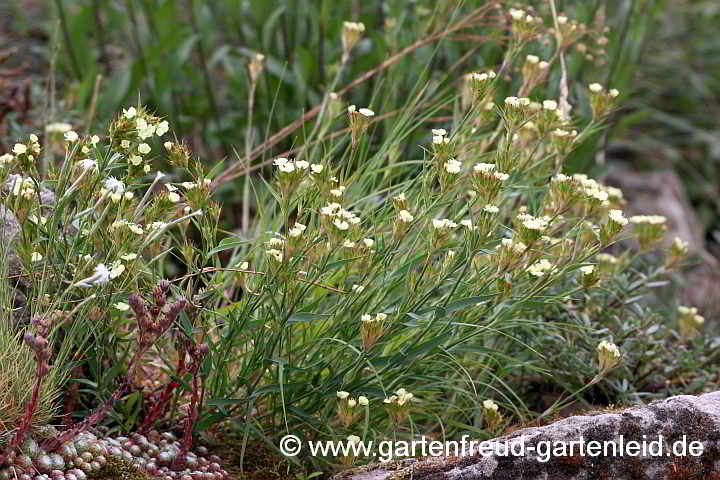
point(608, 356)
point(351, 33)
point(256, 67)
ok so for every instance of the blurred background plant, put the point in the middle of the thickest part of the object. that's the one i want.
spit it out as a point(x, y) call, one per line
point(107, 54)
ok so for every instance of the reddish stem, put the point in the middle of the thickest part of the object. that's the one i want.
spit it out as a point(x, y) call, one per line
point(54, 443)
point(179, 461)
point(160, 405)
point(24, 428)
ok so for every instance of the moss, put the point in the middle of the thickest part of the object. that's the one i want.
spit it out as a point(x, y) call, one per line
point(119, 469)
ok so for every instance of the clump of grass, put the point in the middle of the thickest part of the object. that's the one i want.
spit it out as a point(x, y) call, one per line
point(18, 372)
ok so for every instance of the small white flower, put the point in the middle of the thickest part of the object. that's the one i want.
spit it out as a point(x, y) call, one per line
point(341, 224)
point(617, 217)
point(129, 257)
point(405, 216)
point(122, 306)
point(157, 225)
point(144, 148)
point(144, 129)
point(37, 221)
point(362, 400)
point(490, 405)
point(114, 185)
point(36, 256)
point(316, 168)
point(162, 128)
point(57, 127)
point(534, 59)
point(276, 254)
point(540, 268)
point(369, 242)
point(609, 347)
point(100, 277)
point(129, 113)
point(297, 230)
point(94, 140)
point(6, 158)
point(71, 136)
point(302, 165)
point(88, 164)
point(587, 269)
point(453, 166)
point(595, 87)
point(19, 149)
point(512, 101)
point(337, 192)
point(484, 167)
point(650, 219)
point(442, 224)
point(481, 77)
point(125, 144)
point(173, 197)
point(342, 395)
point(275, 242)
point(439, 132)
point(550, 105)
point(517, 14)
point(117, 269)
point(135, 160)
point(533, 223)
point(366, 112)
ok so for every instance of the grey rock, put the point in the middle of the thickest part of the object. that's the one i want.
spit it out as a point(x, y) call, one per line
point(661, 192)
point(9, 229)
point(680, 419)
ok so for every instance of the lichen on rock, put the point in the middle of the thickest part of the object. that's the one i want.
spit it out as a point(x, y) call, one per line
point(675, 421)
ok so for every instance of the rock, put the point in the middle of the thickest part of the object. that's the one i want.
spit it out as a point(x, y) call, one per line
point(694, 418)
point(9, 229)
point(661, 192)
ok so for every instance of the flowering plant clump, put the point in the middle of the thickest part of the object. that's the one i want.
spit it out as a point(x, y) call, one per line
point(371, 273)
point(98, 228)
